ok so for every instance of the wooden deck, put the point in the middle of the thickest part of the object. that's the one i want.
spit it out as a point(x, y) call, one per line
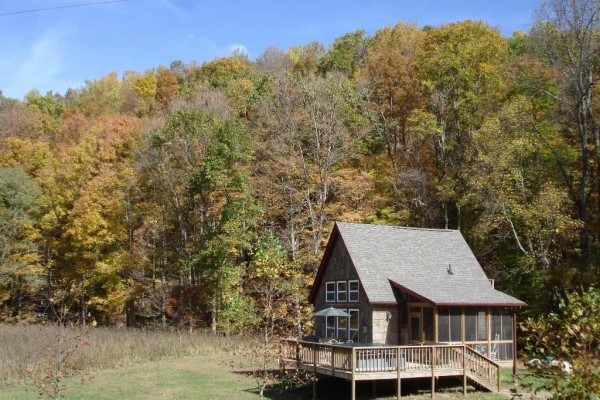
point(358, 363)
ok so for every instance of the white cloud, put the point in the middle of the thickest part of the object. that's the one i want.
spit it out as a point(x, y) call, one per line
point(237, 47)
point(40, 65)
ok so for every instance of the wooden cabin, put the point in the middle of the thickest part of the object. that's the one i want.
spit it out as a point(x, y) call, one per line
point(409, 286)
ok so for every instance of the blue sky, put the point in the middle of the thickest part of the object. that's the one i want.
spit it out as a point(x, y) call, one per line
point(58, 49)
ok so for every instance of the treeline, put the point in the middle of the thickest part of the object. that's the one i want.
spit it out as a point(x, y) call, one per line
point(202, 195)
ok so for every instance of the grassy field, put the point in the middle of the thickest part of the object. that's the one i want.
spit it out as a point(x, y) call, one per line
point(131, 364)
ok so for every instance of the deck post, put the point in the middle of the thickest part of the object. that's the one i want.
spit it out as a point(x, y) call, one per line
point(352, 370)
point(432, 371)
point(314, 371)
point(514, 340)
point(499, 380)
point(398, 366)
point(332, 360)
point(464, 363)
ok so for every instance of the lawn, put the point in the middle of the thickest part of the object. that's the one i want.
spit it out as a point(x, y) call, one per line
point(118, 364)
point(191, 377)
point(197, 377)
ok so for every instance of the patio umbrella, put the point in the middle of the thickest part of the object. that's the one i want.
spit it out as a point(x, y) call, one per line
point(331, 312)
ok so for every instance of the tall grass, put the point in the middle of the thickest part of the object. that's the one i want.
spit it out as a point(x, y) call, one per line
point(25, 349)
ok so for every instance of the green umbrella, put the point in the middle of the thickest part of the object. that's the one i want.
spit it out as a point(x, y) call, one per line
point(331, 312)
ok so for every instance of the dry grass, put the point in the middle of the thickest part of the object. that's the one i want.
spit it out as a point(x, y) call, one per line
point(25, 349)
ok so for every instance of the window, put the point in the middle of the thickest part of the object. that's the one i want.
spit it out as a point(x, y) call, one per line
point(353, 291)
point(330, 326)
point(342, 295)
point(353, 325)
point(342, 323)
point(330, 292)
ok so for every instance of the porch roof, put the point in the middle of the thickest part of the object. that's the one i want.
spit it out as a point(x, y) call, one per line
point(435, 265)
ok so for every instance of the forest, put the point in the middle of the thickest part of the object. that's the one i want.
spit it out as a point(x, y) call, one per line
point(200, 196)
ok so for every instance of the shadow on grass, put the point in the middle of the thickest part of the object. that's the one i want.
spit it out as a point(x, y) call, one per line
point(330, 388)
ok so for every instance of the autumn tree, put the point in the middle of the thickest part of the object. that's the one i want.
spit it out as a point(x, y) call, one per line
point(167, 87)
point(98, 96)
point(307, 129)
point(566, 35)
point(460, 67)
point(393, 94)
point(83, 226)
point(305, 59)
point(524, 219)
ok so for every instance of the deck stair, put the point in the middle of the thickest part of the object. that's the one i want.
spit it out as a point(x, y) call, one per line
point(481, 370)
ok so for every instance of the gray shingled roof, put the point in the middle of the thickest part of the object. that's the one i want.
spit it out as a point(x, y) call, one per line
point(417, 260)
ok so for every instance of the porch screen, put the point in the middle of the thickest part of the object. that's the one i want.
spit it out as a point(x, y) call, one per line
point(501, 325)
point(449, 325)
point(475, 325)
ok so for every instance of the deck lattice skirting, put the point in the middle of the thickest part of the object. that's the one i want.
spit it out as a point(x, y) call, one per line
point(393, 362)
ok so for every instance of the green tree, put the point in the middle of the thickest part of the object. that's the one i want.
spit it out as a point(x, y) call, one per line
point(346, 54)
point(274, 283)
point(230, 219)
point(20, 271)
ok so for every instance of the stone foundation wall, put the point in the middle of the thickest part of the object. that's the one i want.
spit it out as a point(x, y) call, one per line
point(385, 324)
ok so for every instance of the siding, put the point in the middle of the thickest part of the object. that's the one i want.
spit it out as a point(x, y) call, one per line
point(340, 268)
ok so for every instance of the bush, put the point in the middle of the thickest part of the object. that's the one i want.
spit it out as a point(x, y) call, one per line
point(571, 334)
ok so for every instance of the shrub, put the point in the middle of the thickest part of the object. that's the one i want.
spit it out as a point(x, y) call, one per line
point(571, 334)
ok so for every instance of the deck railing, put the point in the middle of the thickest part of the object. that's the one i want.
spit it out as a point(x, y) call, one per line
point(380, 359)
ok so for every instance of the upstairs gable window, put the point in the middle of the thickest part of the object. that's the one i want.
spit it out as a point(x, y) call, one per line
point(353, 291)
point(342, 295)
point(330, 292)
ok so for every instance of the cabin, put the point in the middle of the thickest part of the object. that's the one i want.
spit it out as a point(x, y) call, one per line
point(411, 286)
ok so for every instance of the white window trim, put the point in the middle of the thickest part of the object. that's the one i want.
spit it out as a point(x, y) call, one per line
point(353, 291)
point(338, 292)
point(327, 292)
